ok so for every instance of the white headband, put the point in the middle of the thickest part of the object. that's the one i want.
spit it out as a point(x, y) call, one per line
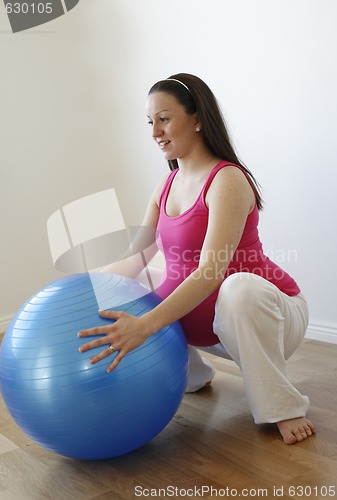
point(178, 81)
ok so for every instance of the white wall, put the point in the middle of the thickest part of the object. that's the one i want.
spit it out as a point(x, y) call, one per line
point(73, 123)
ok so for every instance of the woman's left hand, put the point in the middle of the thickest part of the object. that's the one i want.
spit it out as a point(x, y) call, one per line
point(123, 335)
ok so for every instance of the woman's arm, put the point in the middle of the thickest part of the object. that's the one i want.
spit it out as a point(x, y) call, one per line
point(230, 199)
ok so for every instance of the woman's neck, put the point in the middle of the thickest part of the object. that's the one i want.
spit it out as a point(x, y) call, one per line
point(198, 161)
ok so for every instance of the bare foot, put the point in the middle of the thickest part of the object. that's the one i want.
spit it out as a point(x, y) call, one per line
point(295, 430)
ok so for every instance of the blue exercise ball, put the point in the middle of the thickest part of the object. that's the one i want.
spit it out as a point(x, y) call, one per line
point(72, 407)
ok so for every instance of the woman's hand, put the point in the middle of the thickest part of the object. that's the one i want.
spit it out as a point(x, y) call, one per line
point(125, 334)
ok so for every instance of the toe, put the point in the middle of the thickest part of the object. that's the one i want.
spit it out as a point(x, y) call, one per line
point(300, 436)
point(295, 430)
point(289, 439)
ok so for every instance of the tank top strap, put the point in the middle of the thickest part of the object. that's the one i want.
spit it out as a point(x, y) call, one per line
point(166, 188)
point(212, 174)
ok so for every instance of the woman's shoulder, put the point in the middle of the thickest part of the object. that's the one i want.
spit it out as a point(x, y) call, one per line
point(228, 173)
point(230, 179)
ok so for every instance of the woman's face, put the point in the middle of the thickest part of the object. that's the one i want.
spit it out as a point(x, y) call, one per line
point(172, 128)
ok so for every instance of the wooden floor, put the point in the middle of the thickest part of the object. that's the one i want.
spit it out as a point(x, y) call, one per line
point(212, 442)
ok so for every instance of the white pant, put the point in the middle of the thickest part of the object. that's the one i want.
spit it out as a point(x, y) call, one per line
point(259, 327)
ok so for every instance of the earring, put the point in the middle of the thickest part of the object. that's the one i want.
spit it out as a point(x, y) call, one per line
point(197, 129)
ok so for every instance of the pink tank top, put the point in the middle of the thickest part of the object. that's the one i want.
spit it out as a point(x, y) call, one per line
point(181, 239)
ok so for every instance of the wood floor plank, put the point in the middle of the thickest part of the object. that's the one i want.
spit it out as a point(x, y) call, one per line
point(212, 442)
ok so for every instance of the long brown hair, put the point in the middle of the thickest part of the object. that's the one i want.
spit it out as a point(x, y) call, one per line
point(196, 97)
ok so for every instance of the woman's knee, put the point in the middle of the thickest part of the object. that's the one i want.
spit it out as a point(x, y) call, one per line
point(240, 292)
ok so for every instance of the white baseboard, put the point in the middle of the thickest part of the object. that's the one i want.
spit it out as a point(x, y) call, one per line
point(323, 332)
